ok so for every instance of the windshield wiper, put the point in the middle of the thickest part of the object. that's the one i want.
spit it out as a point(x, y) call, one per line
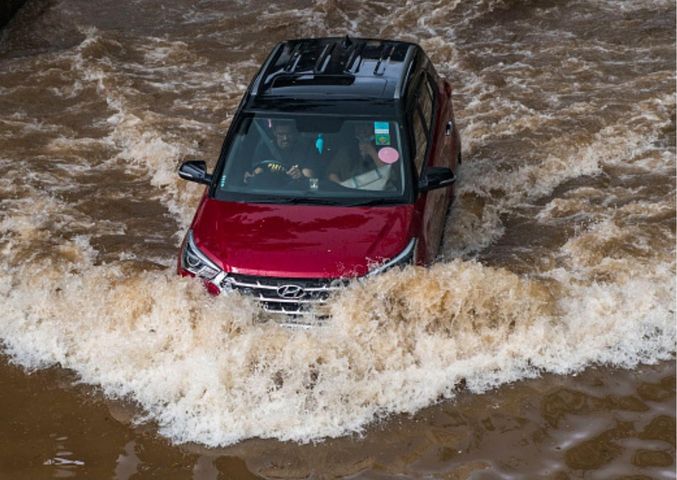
point(338, 202)
point(298, 201)
point(372, 202)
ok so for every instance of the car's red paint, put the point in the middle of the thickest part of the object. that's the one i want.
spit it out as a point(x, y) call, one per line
point(303, 241)
point(308, 241)
point(431, 207)
point(300, 241)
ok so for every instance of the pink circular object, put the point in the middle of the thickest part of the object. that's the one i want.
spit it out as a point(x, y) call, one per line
point(388, 155)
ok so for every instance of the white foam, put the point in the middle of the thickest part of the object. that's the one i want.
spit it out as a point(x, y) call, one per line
point(206, 371)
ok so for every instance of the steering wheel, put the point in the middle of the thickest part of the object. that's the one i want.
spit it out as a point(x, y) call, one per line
point(272, 166)
point(274, 171)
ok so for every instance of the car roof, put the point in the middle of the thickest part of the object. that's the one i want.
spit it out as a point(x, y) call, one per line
point(333, 68)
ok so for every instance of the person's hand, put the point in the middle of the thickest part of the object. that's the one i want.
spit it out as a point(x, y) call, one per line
point(294, 172)
point(248, 175)
point(368, 149)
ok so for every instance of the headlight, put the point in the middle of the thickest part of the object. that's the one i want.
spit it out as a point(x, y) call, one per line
point(405, 257)
point(193, 260)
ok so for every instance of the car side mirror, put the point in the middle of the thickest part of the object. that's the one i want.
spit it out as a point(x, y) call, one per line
point(435, 177)
point(195, 171)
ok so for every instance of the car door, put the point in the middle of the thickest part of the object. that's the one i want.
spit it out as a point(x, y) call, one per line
point(432, 110)
point(451, 150)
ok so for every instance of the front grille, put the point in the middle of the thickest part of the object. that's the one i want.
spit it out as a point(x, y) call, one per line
point(288, 296)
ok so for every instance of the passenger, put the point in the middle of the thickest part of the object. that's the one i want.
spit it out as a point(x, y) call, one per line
point(358, 157)
point(286, 153)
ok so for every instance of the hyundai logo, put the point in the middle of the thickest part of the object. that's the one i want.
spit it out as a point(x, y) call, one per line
point(290, 291)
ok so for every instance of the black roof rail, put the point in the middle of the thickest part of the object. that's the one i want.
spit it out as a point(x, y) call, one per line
point(380, 60)
point(324, 58)
point(258, 83)
point(354, 55)
point(294, 57)
point(407, 63)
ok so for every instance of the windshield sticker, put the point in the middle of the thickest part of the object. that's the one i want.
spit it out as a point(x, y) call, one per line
point(382, 133)
point(381, 127)
point(388, 155)
point(382, 139)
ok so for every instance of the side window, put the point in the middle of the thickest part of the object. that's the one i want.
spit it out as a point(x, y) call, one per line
point(431, 87)
point(426, 101)
point(420, 139)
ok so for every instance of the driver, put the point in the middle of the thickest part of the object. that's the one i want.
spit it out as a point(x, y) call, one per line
point(288, 155)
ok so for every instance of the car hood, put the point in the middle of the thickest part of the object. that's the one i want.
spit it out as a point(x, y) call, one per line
point(300, 241)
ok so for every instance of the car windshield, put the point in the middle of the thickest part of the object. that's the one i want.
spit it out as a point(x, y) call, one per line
point(314, 159)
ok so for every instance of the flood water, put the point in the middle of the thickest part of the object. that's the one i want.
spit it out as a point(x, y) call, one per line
point(540, 345)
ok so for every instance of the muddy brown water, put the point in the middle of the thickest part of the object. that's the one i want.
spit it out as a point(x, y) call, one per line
point(540, 345)
point(600, 424)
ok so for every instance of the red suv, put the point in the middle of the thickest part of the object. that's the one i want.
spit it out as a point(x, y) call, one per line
point(339, 163)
